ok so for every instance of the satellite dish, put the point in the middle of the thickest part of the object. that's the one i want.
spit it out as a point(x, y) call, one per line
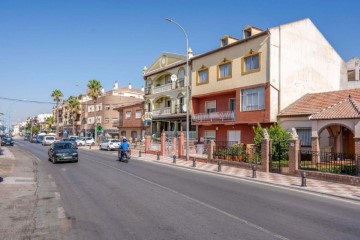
point(173, 77)
point(184, 107)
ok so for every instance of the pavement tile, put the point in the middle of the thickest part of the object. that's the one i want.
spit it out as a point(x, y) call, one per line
point(323, 187)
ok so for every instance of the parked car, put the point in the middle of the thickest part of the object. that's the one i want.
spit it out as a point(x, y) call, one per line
point(7, 141)
point(68, 140)
point(39, 138)
point(63, 152)
point(27, 138)
point(110, 144)
point(33, 139)
point(89, 141)
point(48, 140)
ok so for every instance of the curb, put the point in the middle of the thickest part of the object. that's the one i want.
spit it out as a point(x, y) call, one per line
point(254, 180)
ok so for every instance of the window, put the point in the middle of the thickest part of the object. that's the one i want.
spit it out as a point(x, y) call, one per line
point(133, 134)
point(107, 107)
point(224, 42)
point(209, 135)
point(98, 119)
point(210, 106)
point(252, 99)
point(224, 70)
point(232, 104)
point(138, 114)
point(251, 63)
point(167, 79)
point(90, 120)
point(99, 107)
point(304, 136)
point(149, 107)
point(181, 104)
point(114, 120)
point(107, 120)
point(90, 108)
point(123, 133)
point(128, 115)
point(203, 75)
point(168, 103)
point(181, 78)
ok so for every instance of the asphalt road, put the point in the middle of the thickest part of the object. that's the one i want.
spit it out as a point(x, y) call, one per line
point(106, 199)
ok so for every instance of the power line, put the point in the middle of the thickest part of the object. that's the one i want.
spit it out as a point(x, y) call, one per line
point(24, 100)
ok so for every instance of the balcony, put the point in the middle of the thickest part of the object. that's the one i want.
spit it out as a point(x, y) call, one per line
point(117, 123)
point(213, 117)
point(161, 112)
point(162, 88)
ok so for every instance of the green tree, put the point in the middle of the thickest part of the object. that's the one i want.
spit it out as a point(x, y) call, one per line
point(74, 107)
point(49, 122)
point(279, 136)
point(94, 87)
point(57, 95)
point(35, 129)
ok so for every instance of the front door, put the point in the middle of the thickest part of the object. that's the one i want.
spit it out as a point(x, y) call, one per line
point(234, 137)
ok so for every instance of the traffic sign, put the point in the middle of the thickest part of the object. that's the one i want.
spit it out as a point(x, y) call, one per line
point(99, 128)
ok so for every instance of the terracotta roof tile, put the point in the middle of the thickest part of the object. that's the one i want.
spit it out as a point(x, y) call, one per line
point(343, 109)
point(313, 103)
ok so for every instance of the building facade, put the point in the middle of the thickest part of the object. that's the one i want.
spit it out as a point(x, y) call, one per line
point(130, 123)
point(249, 81)
point(104, 110)
point(165, 98)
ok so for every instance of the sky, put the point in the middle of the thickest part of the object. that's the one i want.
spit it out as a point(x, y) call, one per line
point(58, 44)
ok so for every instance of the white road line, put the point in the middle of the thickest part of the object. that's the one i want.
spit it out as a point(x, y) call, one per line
point(60, 212)
point(57, 195)
point(261, 229)
point(53, 184)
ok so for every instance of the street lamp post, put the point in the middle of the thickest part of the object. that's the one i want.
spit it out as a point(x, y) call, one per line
point(186, 85)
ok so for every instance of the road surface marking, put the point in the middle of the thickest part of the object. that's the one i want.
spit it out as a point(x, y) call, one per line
point(57, 195)
point(261, 229)
point(60, 212)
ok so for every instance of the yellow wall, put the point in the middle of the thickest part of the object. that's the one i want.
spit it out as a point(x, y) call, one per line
point(234, 54)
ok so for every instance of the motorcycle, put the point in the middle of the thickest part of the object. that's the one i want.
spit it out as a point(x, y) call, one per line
point(124, 156)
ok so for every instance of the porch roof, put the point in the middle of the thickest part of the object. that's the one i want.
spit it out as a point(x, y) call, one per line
point(316, 103)
point(341, 110)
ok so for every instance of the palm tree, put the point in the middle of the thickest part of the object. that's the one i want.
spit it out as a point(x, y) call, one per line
point(50, 122)
point(74, 107)
point(57, 95)
point(94, 87)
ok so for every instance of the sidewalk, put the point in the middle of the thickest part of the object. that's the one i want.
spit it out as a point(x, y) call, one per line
point(316, 186)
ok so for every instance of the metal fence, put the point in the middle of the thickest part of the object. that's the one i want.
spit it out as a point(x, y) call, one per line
point(329, 162)
point(237, 152)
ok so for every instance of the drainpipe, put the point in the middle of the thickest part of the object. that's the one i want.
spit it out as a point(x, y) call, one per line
point(279, 100)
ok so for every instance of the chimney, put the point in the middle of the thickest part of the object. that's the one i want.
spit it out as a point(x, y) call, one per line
point(102, 90)
point(116, 85)
point(142, 89)
point(130, 87)
point(190, 52)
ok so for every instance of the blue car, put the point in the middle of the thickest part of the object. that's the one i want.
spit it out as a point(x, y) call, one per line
point(7, 141)
point(40, 139)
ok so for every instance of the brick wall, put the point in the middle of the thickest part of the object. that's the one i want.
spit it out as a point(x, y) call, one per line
point(337, 178)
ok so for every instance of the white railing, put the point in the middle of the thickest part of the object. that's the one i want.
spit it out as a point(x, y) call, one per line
point(162, 111)
point(214, 116)
point(192, 134)
point(162, 88)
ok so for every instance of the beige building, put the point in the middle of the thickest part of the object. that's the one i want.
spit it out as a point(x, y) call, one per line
point(250, 80)
point(104, 110)
point(165, 98)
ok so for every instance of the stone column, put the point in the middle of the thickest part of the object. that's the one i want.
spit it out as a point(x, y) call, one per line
point(294, 147)
point(147, 143)
point(357, 155)
point(210, 150)
point(265, 152)
point(181, 144)
point(315, 148)
point(163, 144)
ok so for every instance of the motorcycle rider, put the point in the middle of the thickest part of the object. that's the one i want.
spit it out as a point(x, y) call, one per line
point(123, 148)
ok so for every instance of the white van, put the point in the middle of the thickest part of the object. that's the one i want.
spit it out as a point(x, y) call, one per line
point(48, 140)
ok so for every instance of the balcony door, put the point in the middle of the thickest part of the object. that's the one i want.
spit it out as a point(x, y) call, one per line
point(210, 106)
point(234, 137)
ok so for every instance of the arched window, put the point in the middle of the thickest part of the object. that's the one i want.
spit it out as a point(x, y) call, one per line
point(181, 77)
point(123, 133)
